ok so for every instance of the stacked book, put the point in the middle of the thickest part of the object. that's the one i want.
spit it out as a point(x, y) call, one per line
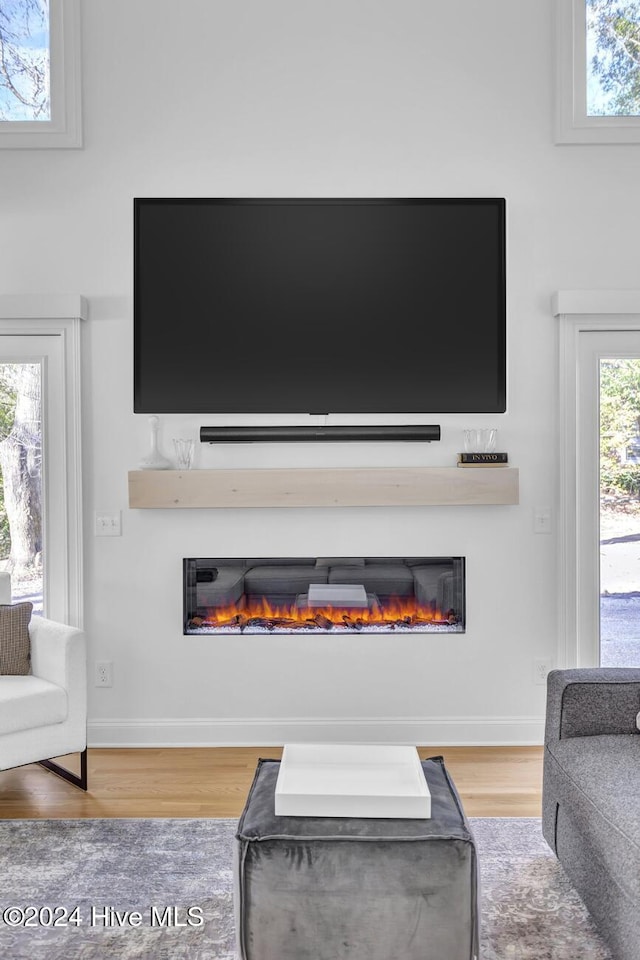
point(483, 460)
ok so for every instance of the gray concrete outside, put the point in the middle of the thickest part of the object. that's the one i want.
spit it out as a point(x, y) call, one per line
point(620, 587)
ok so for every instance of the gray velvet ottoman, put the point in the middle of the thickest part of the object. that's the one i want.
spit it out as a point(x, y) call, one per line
point(310, 888)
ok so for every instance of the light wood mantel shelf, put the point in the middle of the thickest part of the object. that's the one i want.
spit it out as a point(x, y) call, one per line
point(322, 487)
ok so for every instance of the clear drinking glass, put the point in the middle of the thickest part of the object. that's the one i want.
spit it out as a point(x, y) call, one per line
point(488, 440)
point(472, 441)
point(480, 441)
point(184, 453)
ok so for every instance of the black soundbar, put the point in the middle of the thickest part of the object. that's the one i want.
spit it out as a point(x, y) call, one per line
point(421, 433)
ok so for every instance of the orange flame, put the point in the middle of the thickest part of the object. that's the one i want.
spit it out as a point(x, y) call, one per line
point(398, 611)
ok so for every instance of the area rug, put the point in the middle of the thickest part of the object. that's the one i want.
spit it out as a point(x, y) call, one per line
point(163, 890)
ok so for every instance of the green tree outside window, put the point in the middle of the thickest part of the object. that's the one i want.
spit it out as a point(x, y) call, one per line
point(24, 60)
point(613, 58)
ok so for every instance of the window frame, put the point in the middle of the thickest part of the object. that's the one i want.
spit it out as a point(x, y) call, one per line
point(64, 129)
point(573, 125)
point(579, 313)
point(62, 317)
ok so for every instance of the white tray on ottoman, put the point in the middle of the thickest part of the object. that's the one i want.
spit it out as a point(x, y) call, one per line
point(351, 780)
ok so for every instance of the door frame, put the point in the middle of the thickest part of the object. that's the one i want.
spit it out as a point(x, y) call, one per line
point(579, 312)
point(60, 316)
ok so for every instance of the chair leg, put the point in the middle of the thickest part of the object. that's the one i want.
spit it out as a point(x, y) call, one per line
point(80, 781)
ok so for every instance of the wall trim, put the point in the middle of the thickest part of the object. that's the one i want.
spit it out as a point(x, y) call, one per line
point(595, 302)
point(42, 306)
point(252, 731)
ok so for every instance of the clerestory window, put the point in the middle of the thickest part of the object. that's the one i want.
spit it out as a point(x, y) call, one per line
point(598, 71)
point(40, 73)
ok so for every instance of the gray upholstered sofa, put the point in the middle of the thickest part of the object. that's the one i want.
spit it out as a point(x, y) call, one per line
point(591, 795)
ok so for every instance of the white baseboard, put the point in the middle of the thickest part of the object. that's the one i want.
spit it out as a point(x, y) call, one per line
point(227, 732)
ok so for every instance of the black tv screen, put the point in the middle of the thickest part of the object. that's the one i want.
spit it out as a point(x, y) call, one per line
point(319, 306)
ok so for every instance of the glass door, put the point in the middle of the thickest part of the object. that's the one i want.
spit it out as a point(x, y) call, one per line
point(33, 516)
point(619, 496)
point(21, 472)
point(608, 491)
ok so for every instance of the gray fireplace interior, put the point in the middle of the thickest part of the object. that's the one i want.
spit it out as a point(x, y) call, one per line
point(323, 594)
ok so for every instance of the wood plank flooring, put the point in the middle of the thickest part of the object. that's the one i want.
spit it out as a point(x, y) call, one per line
point(213, 782)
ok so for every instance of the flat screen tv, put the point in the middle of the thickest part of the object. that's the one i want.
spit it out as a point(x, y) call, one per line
point(319, 306)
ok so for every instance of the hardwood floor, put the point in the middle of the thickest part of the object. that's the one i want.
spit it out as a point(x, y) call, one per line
point(213, 782)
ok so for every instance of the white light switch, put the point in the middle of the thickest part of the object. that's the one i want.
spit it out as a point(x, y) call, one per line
point(108, 525)
point(542, 521)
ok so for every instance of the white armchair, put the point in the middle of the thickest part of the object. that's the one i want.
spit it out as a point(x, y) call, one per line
point(44, 715)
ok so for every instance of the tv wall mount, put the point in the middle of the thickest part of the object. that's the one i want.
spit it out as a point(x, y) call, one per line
point(407, 433)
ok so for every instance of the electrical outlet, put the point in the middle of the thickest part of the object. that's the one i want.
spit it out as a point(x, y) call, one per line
point(108, 524)
point(540, 670)
point(104, 673)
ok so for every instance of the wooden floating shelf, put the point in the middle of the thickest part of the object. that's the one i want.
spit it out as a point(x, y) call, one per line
point(322, 487)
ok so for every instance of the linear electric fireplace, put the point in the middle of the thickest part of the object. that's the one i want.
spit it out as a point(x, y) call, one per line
point(324, 594)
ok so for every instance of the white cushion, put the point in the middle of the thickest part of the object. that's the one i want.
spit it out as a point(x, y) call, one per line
point(28, 702)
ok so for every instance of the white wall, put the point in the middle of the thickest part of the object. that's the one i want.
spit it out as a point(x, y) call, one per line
point(331, 98)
